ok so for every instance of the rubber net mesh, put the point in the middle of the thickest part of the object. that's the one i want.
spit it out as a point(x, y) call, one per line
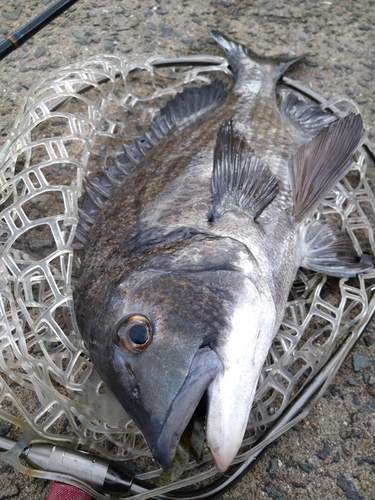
point(68, 126)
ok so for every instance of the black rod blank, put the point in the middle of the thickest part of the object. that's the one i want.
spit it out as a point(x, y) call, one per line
point(21, 36)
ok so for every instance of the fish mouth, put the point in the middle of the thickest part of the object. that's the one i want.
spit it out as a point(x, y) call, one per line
point(205, 367)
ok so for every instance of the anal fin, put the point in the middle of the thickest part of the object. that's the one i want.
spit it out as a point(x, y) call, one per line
point(317, 166)
point(328, 249)
point(239, 177)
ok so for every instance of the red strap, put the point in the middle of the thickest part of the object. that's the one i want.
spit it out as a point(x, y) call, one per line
point(61, 491)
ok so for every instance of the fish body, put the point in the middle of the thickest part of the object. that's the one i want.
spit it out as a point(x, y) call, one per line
point(189, 263)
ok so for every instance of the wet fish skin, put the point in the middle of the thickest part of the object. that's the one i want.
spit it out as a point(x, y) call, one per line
point(205, 263)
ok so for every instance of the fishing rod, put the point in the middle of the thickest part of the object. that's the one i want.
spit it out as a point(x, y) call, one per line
point(19, 37)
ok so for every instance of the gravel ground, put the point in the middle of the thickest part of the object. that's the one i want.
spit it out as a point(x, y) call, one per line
point(332, 454)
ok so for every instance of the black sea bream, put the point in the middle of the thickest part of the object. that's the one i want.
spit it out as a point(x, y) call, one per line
point(189, 264)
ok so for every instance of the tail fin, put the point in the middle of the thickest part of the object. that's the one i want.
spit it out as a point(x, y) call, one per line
point(235, 52)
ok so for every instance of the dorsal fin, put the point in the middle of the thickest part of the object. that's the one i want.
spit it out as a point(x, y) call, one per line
point(188, 106)
point(181, 111)
point(239, 177)
point(318, 165)
point(235, 52)
point(311, 118)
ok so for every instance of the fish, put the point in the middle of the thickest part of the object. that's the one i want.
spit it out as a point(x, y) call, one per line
point(191, 255)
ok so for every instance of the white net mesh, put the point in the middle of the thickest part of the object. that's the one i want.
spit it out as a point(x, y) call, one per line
point(49, 390)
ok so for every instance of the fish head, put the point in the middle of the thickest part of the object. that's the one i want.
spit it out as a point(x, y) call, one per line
point(175, 329)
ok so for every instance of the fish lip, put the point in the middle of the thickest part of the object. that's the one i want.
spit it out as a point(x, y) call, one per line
point(206, 365)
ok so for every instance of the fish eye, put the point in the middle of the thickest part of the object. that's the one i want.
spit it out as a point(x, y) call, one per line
point(134, 333)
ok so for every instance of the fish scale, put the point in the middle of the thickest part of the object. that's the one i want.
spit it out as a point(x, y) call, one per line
point(189, 264)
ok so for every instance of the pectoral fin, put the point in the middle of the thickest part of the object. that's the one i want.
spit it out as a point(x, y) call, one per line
point(328, 249)
point(318, 165)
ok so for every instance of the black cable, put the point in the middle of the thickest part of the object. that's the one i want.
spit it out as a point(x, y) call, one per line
point(21, 36)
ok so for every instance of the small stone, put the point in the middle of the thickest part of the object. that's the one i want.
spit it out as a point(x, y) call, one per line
point(335, 391)
point(12, 15)
point(348, 488)
point(6, 469)
point(365, 460)
point(5, 428)
point(335, 458)
point(345, 448)
point(23, 69)
point(362, 83)
point(167, 32)
point(323, 454)
point(40, 51)
point(40, 201)
point(45, 2)
point(345, 433)
point(351, 381)
point(41, 483)
point(3, 31)
point(80, 34)
point(299, 485)
point(369, 408)
point(275, 492)
point(361, 361)
point(366, 77)
point(291, 464)
point(368, 339)
point(311, 64)
point(306, 467)
point(224, 24)
point(187, 41)
point(134, 24)
point(36, 244)
point(37, 349)
point(273, 466)
point(9, 492)
point(108, 44)
point(152, 26)
point(356, 399)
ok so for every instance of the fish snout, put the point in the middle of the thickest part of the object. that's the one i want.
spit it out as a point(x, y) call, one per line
point(205, 367)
